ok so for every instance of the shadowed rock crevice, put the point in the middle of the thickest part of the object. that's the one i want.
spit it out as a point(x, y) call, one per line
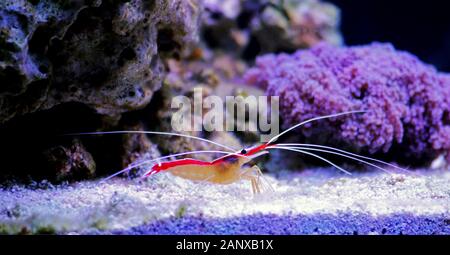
point(39, 139)
point(71, 60)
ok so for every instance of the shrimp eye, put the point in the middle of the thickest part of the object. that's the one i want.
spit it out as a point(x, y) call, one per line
point(243, 151)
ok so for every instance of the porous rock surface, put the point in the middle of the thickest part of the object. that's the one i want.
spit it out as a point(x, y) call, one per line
point(104, 54)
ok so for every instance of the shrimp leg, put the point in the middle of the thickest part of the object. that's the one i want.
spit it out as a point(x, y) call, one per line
point(255, 176)
point(255, 186)
point(247, 173)
point(261, 177)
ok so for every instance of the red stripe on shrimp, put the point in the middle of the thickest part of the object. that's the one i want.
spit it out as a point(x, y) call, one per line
point(256, 149)
point(179, 162)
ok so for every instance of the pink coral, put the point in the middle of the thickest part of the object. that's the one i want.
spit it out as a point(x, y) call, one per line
point(408, 102)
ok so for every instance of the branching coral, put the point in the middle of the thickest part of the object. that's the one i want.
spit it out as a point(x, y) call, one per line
point(408, 102)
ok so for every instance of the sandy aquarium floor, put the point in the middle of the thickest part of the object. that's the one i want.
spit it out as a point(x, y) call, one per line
point(316, 201)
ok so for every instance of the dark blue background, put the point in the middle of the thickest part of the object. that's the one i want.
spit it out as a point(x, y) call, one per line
point(420, 27)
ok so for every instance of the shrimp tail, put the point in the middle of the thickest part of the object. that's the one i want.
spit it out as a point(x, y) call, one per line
point(148, 173)
point(156, 168)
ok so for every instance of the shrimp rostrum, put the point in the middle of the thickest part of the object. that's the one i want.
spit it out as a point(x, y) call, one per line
point(239, 165)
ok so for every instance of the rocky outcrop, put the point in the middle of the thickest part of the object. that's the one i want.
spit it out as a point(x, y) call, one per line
point(72, 65)
point(104, 54)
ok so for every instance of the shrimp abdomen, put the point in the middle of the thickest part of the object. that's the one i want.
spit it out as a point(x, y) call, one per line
point(216, 173)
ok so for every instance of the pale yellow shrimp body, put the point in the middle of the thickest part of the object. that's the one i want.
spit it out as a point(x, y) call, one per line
point(225, 170)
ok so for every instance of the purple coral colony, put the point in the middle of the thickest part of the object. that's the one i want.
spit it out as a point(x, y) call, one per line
point(74, 66)
point(408, 102)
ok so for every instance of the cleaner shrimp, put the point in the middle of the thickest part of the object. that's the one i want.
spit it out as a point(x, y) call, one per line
point(237, 165)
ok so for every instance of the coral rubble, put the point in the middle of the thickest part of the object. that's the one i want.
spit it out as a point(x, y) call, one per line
point(250, 27)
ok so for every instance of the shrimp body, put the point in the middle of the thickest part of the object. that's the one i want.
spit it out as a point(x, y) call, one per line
point(224, 170)
point(234, 165)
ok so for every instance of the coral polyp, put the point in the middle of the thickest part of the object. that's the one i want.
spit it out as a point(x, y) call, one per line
point(408, 101)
